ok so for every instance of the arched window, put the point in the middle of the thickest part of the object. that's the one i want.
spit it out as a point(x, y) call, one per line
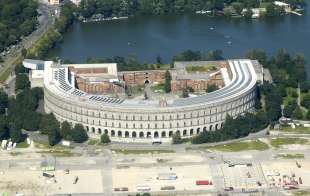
point(155, 134)
point(93, 129)
point(119, 134)
point(126, 134)
point(191, 132)
point(141, 134)
point(198, 130)
point(163, 134)
point(148, 134)
point(184, 132)
point(134, 134)
point(106, 131)
point(170, 133)
point(112, 133)
point(99, 131)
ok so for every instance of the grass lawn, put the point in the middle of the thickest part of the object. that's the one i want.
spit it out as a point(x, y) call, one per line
point(22, 144)
point(93, 141)
point(298, 129)
point(202, 68)
point(15, 153)
point(128, 151)
point(57, 153)
point(158, 88)
point(241, 146)
point(278, 142)
point(291, 156)
point(302, 193)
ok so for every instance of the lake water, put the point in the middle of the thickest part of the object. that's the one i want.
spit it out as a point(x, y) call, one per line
point(148, 37)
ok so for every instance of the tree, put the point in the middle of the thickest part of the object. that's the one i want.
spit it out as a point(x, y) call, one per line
point(257, 54)
point(297, 113)
point(66, 130)
point(185, 93)
point(167, 82)
point(105, 138)
point(211, 88)
point(31, 121)
point(3, 127)
point(22, 82)
point(79, 134)
point(159, 60)
point(4, 100)
point(16, 134)
point(48, 123)
point(176, 138)
point(53, 137)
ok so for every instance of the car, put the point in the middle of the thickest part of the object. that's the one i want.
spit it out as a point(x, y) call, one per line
point(229, 188)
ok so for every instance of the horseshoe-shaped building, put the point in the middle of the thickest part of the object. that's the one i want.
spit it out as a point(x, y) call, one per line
point(141, 120)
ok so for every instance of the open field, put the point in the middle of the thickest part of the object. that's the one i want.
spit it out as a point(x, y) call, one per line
point(279, 142)
point(241, 146)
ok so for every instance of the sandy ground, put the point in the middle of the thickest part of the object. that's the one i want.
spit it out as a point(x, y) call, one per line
point(140, 176)
point(32, 183)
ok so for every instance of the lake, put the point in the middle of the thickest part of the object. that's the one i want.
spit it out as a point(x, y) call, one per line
point(148, 37)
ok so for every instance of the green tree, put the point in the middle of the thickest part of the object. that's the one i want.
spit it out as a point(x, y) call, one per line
point(167, 82)
point(176, 138)
point(297, 113)
point(257, 54)
point(66, 130)
point(211, 88)
point(105, 138)
point(3, 127)
point(16, 134)
point(4, 101)
point(185, 93)
point(22, 82)
point(79, 134)
point(48, 123)
point(53, 137)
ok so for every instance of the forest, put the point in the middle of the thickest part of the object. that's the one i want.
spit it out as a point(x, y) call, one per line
point(18, 18)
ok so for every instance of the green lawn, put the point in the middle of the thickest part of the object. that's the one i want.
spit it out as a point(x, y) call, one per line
point(298, 129)
point(22, 144)
point(302, 193)
point(291, 156)
point(278, 142)
point(93, 141)
point(57, 153)
point(241, 146)
point(158, 88)
point(128, 151)
point(202, 68)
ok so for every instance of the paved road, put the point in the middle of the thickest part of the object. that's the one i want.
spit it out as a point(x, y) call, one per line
point(46, 20)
